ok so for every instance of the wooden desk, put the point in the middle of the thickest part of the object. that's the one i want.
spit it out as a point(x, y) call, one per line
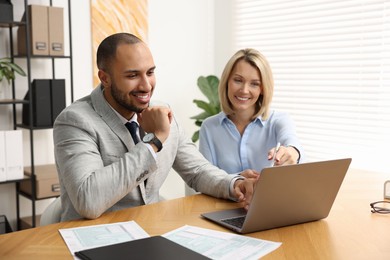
point(351, 231)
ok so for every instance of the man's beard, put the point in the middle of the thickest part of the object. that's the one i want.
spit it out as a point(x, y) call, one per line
point(121, 99)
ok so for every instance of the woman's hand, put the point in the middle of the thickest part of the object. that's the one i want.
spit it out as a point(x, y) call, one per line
point(284, 156)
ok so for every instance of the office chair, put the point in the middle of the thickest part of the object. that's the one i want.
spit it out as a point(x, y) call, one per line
point(52, 213)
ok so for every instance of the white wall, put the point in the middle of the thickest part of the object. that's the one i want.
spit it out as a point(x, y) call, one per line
point(181, 37)
point(223, 24)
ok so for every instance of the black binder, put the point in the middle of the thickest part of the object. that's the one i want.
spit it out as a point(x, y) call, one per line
point(156, 247)
point(41, 104)
point(48, 100)
point(58, 102)
point(6, 11)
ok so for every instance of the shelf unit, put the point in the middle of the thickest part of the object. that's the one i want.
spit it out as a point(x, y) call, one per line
point(14, 101)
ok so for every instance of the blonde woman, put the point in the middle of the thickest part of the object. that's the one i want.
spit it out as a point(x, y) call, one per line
point(247, 134)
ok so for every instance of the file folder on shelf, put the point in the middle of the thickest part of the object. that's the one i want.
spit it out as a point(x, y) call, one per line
point(56, 31)
point(41, 104)
point(14, 154)
point(48, 100)
point(6, 11)
point(39, 31)
point(58, 100)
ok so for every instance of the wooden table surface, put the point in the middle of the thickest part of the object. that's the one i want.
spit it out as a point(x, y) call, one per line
point(350, 231)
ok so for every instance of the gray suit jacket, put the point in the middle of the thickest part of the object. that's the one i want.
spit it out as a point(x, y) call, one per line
point(101, 169)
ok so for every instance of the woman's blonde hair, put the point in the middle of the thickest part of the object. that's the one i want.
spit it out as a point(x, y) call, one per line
point(258, 61)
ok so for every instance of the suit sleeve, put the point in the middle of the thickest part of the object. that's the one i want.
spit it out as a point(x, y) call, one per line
point(198, 172)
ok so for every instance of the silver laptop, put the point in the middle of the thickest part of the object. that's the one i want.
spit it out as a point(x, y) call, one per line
point(287, 195)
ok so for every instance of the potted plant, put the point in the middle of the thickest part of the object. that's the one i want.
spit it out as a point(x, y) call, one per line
point(209, 87)
point(8, 69)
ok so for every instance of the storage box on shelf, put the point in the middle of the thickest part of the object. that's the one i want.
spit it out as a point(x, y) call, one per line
point(46, 180)
point(46, 29)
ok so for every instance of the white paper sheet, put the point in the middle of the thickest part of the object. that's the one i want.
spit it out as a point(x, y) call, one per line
point(81, 238)
point(221, 245)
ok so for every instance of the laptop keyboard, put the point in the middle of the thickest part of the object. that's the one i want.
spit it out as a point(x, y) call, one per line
point(236, 221)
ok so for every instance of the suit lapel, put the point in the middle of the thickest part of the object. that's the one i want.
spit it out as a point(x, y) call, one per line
point(108, 115)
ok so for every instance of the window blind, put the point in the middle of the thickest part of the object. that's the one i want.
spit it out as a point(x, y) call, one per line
point(331, 65)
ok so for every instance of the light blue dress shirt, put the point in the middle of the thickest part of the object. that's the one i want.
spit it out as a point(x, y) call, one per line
point(221, 143)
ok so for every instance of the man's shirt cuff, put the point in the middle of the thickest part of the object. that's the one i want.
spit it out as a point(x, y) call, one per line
point(231, 188)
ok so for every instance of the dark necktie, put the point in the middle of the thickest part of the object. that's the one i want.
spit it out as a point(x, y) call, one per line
point(132, 126)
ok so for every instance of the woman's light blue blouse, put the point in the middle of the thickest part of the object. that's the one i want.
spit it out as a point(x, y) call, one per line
point(221, 143)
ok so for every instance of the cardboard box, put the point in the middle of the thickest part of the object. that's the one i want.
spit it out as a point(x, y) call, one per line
point(56, 31)
point(26, 222)
point(39, 31)
point(47, 182)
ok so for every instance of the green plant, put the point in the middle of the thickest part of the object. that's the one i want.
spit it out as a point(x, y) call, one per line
point(209, 87)
point(8, 69)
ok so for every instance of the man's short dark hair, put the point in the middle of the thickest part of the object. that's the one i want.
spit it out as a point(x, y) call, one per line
point(107, 48)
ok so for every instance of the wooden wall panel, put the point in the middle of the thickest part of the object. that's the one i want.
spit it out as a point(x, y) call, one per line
point(113, 16)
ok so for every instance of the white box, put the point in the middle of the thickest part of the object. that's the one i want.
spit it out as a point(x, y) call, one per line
point(3, 175)
point(14, 154)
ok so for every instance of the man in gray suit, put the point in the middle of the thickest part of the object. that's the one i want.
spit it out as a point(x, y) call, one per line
point(102, 168)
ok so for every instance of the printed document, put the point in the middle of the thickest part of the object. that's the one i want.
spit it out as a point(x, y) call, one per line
point(221, 245)
point(81, 238)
